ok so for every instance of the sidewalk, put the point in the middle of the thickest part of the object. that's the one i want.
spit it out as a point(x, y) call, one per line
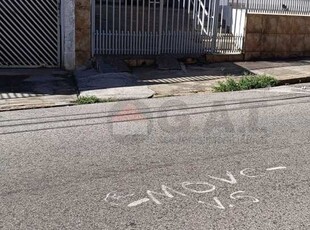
point(35, 88)
point(145, 82)
point(287, 72)
point(44, 88)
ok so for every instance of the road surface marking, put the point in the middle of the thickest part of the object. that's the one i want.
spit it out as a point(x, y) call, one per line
point(218, 205)
point(138, 202)
point(232, 179)
point(112, 198)
point(186, 184)
point(276, 168)
point(243, 173)
point(235, 196)
point(198, 187)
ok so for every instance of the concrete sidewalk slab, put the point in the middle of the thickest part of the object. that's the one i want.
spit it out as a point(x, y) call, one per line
point(121, 93)
point(105, 80)
point(183, 88)
point(92, 83)
point(189, 73)
point(190, 79)
point(201, 79)
point(20, 89)
point(287, 72)
point(110, 86)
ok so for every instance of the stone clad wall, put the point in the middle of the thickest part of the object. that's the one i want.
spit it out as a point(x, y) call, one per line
point(82, 31)
point(277, 36)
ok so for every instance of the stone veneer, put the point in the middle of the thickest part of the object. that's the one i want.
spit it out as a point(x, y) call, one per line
point(82, 31)
point(277, 36)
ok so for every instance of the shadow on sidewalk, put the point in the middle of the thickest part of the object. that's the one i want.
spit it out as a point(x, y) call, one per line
point(24, 83)
point(150, 75)
point(188, 73)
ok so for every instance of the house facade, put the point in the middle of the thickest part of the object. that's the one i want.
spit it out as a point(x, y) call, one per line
point(68, 33)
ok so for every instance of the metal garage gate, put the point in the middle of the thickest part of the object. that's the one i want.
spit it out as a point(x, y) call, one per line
point(29, 33)
point(151, 27)
point(144, 27)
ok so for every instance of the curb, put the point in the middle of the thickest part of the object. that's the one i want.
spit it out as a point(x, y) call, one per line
point(36, 103)
point(27, 107)
point(290, 81)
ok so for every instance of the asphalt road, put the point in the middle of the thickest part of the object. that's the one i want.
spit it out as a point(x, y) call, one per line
point(220, 161)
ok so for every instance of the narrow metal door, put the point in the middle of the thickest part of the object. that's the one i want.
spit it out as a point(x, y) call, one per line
point(29, 33)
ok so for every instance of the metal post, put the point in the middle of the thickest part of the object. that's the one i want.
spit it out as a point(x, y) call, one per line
point(93, 25)
point(245, 25)
point(215, 24)
point(195, 13)
point(161, 11)
point(203, 17)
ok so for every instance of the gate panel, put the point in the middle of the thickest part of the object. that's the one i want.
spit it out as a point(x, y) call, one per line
point(144, 27)
point(29, 33)
point(151, 27)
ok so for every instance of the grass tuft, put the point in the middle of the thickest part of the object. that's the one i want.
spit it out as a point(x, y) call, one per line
point(83, 100)
point(245, 83)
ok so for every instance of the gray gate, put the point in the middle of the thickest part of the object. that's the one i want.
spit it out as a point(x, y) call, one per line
point(151, 27)
point(29, 33)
